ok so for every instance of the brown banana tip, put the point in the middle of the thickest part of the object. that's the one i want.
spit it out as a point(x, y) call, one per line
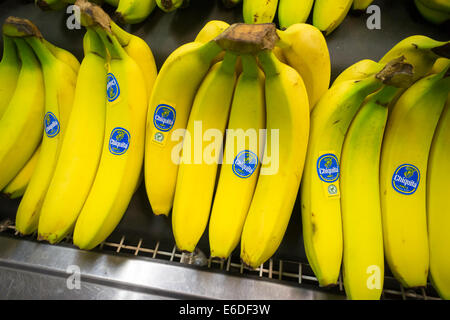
point(397, 73)
point(19, 27)
point(442, 51)
point(43, 5)
point(92, 14)
point(167, 4)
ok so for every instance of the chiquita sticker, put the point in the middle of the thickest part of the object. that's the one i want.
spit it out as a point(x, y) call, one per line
point(164, 117)
point(328, 168)
point(51, 125)
point(406, 179)
point(112, 88)
point(245, 164)
point(119, 141)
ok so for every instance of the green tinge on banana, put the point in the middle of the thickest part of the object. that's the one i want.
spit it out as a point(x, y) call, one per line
point(9, 73)
point(132, 11)
point(430, 14)
point(51, 4)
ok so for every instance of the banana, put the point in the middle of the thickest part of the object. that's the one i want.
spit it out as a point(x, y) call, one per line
point(59, 82)
point(169, 5)
point(437, 207)
point(230, 3)
point(259, 11)
point(16, 188)
point(419, 51)
point(320, 194)
point(431, 15)
point(287, 122)
point(9, 73)
point(439, 5)
point(64, 56)
point(211, 30)
point(403, 177)
point(358, 71)
point(20, 124)
point(123, 148)
point(328, 15)
point(361, 4)
point(169, 108)
point(50, 4)
point(306, 50)
point(210, 110)
point(363, 260)
point(81, 149)
point(241, 162)
point(134, 11)
point(293, 11)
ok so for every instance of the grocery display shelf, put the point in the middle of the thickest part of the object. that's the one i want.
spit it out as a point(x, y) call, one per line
point(139, 260)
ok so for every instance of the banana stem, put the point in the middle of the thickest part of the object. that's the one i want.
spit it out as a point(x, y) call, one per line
point(121, 35)
point(249, 65)
point(229, 62)
point(111, 43)
point(269, 62)
point(40, 49)
point(396, 73)
point(9, 51)
point(210, 50)
point(95, 44)
point(385, 95)
point(25, 52)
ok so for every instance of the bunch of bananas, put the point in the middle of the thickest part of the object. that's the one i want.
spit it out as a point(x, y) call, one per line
point(434, 11)
point(232, 98)
point(91, 156)
point(327, 15)
point(369, 168)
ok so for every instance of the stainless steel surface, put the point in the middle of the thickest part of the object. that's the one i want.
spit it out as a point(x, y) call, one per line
point(29, 269)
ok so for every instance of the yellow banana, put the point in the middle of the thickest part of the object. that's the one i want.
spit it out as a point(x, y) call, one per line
point(169, 108)
point(287, 118)
point(293, 11)
point(16, 188)
point(259, 11)
point(207, 122)
point(134, 11)
point(123, 148)
point(419, 51)
point(81, 149)
point(21, 123)
point(241, 161)
point(328, 15)
point(437, 206)
point(211, 30)
point(320, 194)
point(363, 256)
point(403, 177)
point(358, 71)
point(59, 81)
point(64, 56)
point(306, 50)
point(361, 4)
point(9, 73)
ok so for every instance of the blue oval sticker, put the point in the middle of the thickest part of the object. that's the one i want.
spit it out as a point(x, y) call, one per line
point(245, 164)
point(406, 179)
point(328, 168)
point(164, 117)
point(119, 141)
point(51, 125)
point(112, 88)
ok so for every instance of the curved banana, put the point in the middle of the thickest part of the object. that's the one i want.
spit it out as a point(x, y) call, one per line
point(293, 11)
point(16, 188)
point(169, 109)
point(438, 212)
point(64, 55)
point(59, 82)
point(403, 177)
point(80, 150)
point(169, 5)
point(306, 50)
point(287, 118)
point(320, 194)
point(439, 5)
point(211, 30)
point(419, 51)
point(9, 73)
point(328, 15)
point(361, 4)
point(431, 15)
point(207, 121)
point(123, 148)
point(358, 71)
point(259, 11)
point(21, 122)
point(241, 161)
point(363, 256)
point(134, 11)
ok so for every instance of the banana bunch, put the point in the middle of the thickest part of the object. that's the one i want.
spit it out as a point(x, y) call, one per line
point(327, 15)
point(363, 194)
point(227, 147)
point(434, 11)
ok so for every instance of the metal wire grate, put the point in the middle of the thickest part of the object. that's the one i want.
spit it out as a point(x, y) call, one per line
point(283, 270)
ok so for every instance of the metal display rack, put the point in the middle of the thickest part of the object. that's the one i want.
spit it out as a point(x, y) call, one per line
point(139, 260)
